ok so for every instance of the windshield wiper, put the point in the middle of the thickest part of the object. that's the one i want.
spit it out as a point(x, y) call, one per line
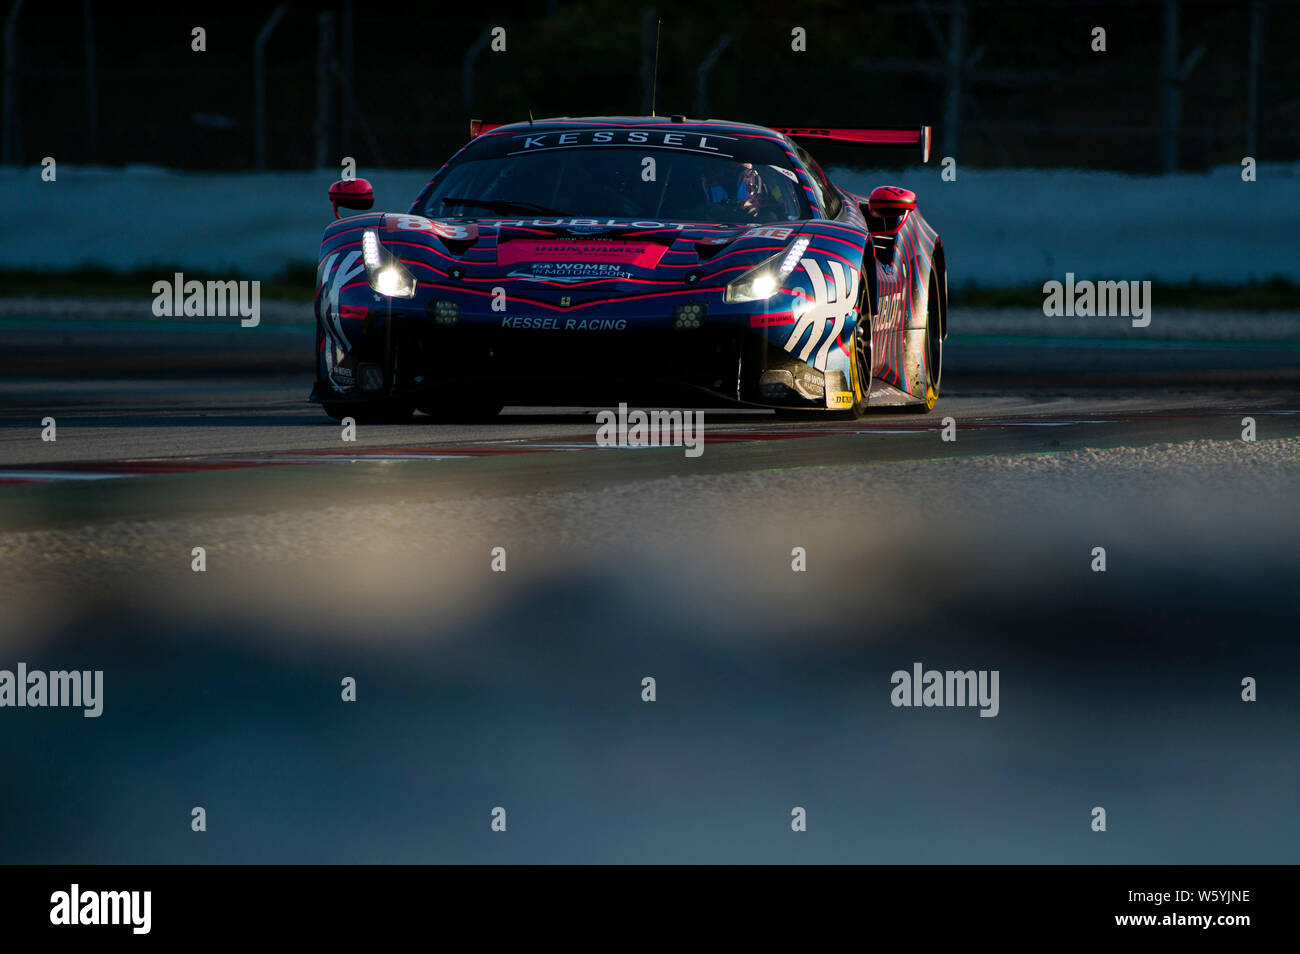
point(501, 205)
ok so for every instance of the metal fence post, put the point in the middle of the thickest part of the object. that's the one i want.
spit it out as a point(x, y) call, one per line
point(956, 50)
point(324, 99)
point(345, 57)
point(648, 20)
point(13, 137)
point(1257, 12)
point(467, 70)
point(259, 86)
point(1173, 79)
point(92, 90)
point(1170, 104)
point(702, 77)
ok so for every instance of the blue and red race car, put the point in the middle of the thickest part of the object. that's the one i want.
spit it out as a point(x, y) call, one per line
point(640, 260)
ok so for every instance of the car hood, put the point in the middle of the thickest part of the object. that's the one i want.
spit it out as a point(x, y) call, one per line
point(591, 256)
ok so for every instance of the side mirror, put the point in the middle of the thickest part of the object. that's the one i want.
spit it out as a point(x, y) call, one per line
point(890, 202)
point(352, 194)
point(887, 208)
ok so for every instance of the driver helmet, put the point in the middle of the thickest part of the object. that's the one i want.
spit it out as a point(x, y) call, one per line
point(739, 186)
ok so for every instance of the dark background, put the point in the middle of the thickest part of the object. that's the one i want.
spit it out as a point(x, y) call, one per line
point(1034, 93)
point(522, 690)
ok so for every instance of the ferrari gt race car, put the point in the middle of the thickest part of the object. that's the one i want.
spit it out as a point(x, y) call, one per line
point(639, 260)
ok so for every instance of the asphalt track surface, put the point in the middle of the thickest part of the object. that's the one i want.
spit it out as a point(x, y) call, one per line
point(133, 396)
point(523, 688)
point(116, 430)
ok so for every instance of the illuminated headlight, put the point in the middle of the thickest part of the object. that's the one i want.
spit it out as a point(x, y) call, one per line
point(764, 280)
point(370, 249)
point(689, 316)
point(385, 273)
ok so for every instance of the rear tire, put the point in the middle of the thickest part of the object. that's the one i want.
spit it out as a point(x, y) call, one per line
point(933, 351)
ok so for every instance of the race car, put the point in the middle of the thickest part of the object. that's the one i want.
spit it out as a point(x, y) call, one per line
point(632, 259)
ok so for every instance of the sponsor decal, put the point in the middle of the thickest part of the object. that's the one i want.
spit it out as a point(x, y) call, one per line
point(595, 324)
point(890, 315)
point(583, 252)
point(529, 322)
point(452, 231)
point(811, 382)
point(768, 231)
point(838, 397)
point(554, 323)
point(710, 144)
point(823, 318)
point(590, 229)
point(570, 272)
point(804, 131)
point(570, 224)
point(332, 280)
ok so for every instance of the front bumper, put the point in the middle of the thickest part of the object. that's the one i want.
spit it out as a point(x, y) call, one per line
point(720, 365)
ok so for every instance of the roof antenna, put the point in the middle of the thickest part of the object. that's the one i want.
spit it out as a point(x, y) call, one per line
point(530, 116)
point(654, 81)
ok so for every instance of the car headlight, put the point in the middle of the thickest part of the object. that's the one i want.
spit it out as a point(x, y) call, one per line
point(764, 280)
point(385, 273)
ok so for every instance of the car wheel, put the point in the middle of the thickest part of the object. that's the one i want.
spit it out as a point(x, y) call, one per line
point(933, 352)
point(861, 358)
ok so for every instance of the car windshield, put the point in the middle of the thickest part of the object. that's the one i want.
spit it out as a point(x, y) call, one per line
point(637, 180)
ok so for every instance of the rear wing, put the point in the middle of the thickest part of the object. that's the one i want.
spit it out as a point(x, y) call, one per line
point(916, 137)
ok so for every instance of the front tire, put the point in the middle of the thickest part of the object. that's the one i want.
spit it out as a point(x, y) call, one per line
point(861, 357)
